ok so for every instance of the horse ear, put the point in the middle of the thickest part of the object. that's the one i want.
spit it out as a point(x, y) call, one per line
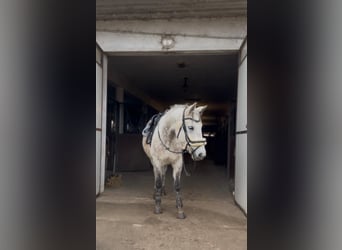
point(191, 108)
point(201, 109)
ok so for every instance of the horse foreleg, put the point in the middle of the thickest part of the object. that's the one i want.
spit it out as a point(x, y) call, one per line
point(177, 170)
point(164, 169)
point(158, 190)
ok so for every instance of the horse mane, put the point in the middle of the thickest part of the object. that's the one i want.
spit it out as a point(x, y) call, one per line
point(176, 106)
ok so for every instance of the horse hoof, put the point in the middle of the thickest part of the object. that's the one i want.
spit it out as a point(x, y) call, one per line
point(181, 215)
point(158, 210)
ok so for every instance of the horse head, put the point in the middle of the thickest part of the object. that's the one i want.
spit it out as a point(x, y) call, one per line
point(192, 126)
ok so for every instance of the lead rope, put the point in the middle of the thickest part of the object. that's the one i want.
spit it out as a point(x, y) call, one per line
point(185, 171)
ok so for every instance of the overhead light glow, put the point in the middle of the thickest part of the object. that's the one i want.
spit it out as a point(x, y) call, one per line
point(167, 42)
point(209, 134)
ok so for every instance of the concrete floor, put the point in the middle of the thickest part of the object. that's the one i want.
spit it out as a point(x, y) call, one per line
point(125, 218)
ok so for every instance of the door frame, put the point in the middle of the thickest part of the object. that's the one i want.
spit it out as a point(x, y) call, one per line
point(166, 53)
point(101, 118)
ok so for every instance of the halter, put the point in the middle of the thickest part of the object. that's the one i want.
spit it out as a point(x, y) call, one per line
point(189, 143)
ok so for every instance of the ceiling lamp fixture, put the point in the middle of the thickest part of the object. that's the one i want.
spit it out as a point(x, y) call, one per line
point(167, 42)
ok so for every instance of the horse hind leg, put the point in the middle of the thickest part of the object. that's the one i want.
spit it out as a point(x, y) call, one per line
point(177, 170)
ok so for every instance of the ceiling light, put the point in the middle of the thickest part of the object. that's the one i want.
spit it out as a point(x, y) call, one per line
point(167, 42)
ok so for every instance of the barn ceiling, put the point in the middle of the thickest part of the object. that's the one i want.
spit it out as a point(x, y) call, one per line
point(159, 9)
point(211, 79)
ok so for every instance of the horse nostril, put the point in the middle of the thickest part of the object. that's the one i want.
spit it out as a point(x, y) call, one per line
point(200, 154)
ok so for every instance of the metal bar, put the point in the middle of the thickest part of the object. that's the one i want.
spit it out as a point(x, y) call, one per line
point(241, 132)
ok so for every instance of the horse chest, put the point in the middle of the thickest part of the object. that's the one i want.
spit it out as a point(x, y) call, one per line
point(167, 159)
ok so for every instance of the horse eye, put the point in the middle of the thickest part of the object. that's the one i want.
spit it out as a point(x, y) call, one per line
point(191, 127)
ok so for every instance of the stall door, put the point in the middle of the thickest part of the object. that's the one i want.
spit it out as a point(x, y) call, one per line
point(101, 105)
point(241, 133)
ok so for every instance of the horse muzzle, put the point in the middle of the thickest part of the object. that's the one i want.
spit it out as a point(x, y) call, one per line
point(199, 153)
point(198, 157)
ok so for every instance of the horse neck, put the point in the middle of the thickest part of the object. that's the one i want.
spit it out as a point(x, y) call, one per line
point(173, 118)
point(173, 121)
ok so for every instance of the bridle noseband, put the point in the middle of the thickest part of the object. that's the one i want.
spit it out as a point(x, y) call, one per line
point(194, 145)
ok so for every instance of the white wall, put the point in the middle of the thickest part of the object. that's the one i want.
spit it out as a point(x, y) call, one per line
point(241, 136)
point(241, 116)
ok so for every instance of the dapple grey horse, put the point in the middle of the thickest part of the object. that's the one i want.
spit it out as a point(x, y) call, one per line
point(177, 130)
